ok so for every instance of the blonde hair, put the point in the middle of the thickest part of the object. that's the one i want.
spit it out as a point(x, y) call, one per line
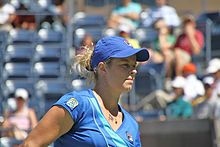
point(82, 64)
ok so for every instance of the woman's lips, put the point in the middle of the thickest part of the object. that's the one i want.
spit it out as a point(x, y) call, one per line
point(130, 79)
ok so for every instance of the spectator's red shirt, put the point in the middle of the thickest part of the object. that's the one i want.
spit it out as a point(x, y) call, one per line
point(183, 42)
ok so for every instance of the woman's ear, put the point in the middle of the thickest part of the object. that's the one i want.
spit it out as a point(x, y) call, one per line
point(102, 67)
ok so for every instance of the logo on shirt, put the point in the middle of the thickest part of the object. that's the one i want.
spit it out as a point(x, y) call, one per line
point(72, 103)
point(129, 136)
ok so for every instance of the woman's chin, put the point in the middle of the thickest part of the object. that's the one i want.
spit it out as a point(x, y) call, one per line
point(127, 88)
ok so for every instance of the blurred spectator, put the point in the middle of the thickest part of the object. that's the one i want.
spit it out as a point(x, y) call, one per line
point(214, 70)
point(86, 42)
point(43, 4)
point(193, 86)
point(18, 3)
point(125, 32)
point(161, 10)
point(57, 7)
point(162, 46)
point(127, 13)
point(57, 20)
point(53, 22)
point(22, 119)
point(178, 108)
point(202, 106)
point(188, 44)
point(24, 21)
point(6, 14)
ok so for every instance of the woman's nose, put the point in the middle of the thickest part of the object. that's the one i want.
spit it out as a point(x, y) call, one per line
point(134, 72)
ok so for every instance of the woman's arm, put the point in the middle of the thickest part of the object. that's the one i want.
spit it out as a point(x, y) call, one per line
point(33, 118)
point(56, 122)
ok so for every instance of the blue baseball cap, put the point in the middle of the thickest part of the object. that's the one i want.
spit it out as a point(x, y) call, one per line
point(116, 47)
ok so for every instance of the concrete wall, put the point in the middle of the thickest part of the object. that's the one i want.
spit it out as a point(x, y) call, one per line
point(178, 133)
point(195, 6)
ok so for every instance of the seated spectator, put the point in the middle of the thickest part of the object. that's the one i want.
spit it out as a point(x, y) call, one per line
point(86, 42)
point(125, 32)
point(193, 86)
point(22, 119)
point(58, 18)
point(162, 46)
point(178, 108)
point(127, 13)
point(189, 43)
point(53, 22)
point(202, 106)
point(6, 14)
point(161, 10)
point(213, 69)
point(24, 21)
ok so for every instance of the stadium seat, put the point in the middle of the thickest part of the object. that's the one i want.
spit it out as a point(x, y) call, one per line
point(145, 36)
point(18, 53)
point(149, 78)
point(48, 52)
point(21, 36)
point(92, 24)
point(209, 24)
point(80, 84)
point(50, 36)
point(1, 61)
point(12, 70)
point(3, 38)
point(82, 20)
point(9, 141)
point(49, 91)
point(48, 70)
point(96, 3)
point(79, 33)
point(11, 85)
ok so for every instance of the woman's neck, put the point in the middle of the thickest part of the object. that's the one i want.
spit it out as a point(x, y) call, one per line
point(107, 98)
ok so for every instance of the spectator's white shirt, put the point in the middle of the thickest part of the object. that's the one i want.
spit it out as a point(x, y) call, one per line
point(212, 106)
point(216, 91)
point(166, 12)
point(5, 11)
point(206, 109)
point(193, 88)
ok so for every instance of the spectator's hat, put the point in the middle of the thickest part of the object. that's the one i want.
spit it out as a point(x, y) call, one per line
point(124, 28)
point(21, 93)
point(178, 82)
point(208, 80)
point(189, 68)
point(213, 66)
point(116, 47)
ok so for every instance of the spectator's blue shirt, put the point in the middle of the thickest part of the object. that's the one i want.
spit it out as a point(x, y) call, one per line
point(90, 126)
point(179, 109)
point(132, 7)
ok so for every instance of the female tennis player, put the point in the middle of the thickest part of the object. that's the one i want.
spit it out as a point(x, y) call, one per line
point(93, 117)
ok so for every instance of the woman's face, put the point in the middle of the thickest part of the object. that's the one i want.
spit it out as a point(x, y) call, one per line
point(125, 2)
point(20, 102)
point(178, 91)
point(120, 73)
point(162, 27)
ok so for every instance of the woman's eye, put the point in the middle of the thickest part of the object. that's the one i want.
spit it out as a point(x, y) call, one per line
point(126, 65)
point(129, 66)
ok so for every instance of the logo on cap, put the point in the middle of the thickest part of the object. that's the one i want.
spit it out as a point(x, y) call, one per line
point(127, 43)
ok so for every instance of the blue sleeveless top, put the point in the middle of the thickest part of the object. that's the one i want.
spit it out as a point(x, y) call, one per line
point(90, 128)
